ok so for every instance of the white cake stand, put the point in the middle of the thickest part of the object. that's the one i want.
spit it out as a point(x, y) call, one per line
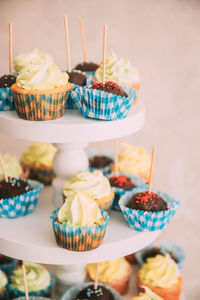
point(31, 238)
point(70, 134)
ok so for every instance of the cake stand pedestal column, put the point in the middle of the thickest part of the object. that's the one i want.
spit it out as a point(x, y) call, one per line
point(69, 159)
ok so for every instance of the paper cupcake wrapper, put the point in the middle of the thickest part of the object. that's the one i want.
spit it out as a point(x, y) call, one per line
point(40, 107)
point(79, 238)
point(14, 293)
point(90, 76)
point(73, 292)
point(32, 298)
point(6, 99)
point(21, 205)
point(148, 221)
point(97, 104)
point(106, 206)
point(120, 192)
point(9, 267)
point(165, 247)
point(106, 170)
point(45, 176)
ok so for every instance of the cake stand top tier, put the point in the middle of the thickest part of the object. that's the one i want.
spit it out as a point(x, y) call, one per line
point(72, 127)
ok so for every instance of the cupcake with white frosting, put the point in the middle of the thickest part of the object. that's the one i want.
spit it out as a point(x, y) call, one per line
point(94, 184)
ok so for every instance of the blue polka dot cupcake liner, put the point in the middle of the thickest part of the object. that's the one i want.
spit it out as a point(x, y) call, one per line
point(148, 221)
point(6, 99)
point(46, 292)
point(21, 205)
point(77, 238)
point(106, 170)
point(165, 247)
point(138, 181)
point(97, 104)
point(10, 266)
point(74, 291)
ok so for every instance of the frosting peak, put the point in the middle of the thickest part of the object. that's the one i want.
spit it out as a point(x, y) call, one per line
point(160, 271)
point(93, 184)
point(32, 58)
point(79, 210)
point(118, 69)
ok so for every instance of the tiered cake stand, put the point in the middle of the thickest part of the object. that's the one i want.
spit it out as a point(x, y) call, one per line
point(31, 238)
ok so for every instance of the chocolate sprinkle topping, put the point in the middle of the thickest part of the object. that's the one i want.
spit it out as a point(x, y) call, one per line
point(14, 187)
point(110, 87)
point(7, 81)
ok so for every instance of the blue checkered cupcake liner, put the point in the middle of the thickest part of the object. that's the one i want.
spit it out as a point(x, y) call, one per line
point(21, 205)
point(165, 247)
point(90, 76)
point(106, 170)
point(46, 292)
point(138, 181)
point(83, 238)
point(32, 298)
point(73, 292)
point(97, 104)
point(6, 99)
point(9, 267)
point(148, 221)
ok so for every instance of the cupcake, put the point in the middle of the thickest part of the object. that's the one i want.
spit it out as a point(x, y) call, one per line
point(18, 197)
point(40, 92)
point(123, 183)
point(102, 162)
point(7, 264)
point(144, 211)
point(162, 276)
point(119, 70)
point(79, 225)
point(3, 284)
point(147, 295)
point(104, 101)
point(86, 67)
point(87, 291)
point(39, 281)
point(135, 160)
point(33, 58)
point(95, 185)
point(38, 159)
point(6, 95)
point(176, 252)
point(12, 167)
point(115, 273)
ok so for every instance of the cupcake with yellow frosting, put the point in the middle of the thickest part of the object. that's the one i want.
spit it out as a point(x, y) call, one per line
point(115, 273)
point(38, 161)
point(161, 274)
point(79, 224)
point(147, 295)
point(95, 185)
point(12, 167)
point(135, 160)
point(39, 281)
point(40, 91)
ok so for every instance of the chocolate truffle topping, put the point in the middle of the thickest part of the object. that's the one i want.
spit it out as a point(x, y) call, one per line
point(77, 78)
point(100, 161)
point(147, 202)
point(122, 182)
point(7, 81)
point(110, 87)
point(86, 67)
point(14, 187)
point(101, 293)
point(155, 251)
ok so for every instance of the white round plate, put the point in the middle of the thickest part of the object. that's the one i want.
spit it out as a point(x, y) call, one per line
point(31, 238)
point(72, 127)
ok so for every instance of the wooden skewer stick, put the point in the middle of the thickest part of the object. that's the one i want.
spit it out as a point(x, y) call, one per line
point(96, 277)
point(151, 170)
point(3, 167)
point(25, 282)
point(83, 40)
point(157, 241)
point(67, 43)
point(116, 158)
point(100, 144)
point(104, 52)
point(10, 49)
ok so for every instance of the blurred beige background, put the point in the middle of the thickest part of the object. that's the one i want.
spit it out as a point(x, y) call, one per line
point(161, 38)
